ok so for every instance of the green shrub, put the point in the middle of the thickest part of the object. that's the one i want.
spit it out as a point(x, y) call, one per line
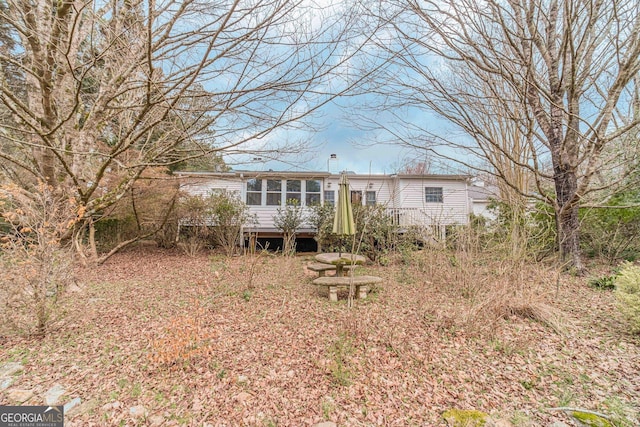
point(376, 233)
point(540, 231)
point(604, 282)
point(516, 232)
point(321, 219)
point(613, 232)
point(215, 219)
point(628, 295)
point(229, 215)
point(289, 220)
point(465, 418)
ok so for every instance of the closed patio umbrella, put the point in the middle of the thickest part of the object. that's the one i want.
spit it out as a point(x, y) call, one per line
point(343, 223)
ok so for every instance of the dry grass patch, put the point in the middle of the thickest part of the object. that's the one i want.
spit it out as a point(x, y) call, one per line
point(478, 294)
point(507, 298)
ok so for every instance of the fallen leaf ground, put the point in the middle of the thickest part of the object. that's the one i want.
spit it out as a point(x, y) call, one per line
point(250, 341)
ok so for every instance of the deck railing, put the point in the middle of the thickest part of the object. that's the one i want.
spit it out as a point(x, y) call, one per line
point(407, 217)
point(424, 223)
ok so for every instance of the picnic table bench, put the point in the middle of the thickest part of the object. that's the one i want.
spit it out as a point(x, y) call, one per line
point(334, 282)
point(321, 268)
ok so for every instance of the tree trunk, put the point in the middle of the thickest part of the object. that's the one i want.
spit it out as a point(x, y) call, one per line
point(77, 244)
point(568, 222)
point(92, 242)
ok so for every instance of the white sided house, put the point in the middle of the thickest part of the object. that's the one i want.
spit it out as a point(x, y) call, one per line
point(432, 202)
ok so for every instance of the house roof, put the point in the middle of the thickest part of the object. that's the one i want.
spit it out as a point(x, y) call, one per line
point(453, 177)
point(482, 193)
point(255, 174)
point(317, 174)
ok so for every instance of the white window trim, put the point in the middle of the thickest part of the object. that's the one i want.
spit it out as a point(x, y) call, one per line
point(440, 195)
point(283, 191)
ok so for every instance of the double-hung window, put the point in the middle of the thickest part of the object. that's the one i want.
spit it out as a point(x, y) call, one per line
point(274, 192)
point(312, 188)
point(254, 192)
point(330, 197)
point(294, 192)
point(371, 198)
point(433, 195)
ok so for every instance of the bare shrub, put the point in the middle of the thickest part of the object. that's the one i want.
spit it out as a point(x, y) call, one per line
point(289, 220)
point(505, 300)
point(192, 245)
point(484, 290)
point(230, 215)
point(36, 261)
point(146, 210)
point(195, 214)
point(217, 218)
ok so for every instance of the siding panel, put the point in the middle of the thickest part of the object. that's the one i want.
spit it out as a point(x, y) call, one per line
point(203, 186)
point(402, 193)
point(453, 210)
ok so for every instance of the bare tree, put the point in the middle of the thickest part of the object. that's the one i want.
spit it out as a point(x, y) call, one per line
point(92, 93)
point(543, 89)
point(415, 167)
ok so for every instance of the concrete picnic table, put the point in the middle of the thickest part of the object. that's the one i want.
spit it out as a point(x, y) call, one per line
point(340, 260)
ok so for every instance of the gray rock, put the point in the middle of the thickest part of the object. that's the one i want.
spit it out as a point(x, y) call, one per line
point(5, 383)
point(111, 406)
point(9, 369)
point(83, 408)
point(54, 394)
point(138, 411)
point(20, 396)
point(72, 404)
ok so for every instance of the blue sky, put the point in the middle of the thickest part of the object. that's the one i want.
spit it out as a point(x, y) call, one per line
point(337, 140)
point(336, 132)
point(354, 148)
